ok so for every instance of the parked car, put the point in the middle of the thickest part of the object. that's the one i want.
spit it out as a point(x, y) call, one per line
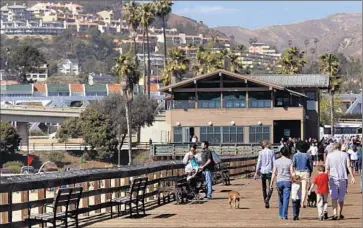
point(27, 170)
point(5, 171)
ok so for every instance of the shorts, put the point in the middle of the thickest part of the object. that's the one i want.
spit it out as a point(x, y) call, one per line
point(338, 189)
point(304, 176)
point(320, 157)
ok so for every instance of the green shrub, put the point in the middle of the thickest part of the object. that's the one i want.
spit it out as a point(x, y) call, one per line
point(56, 156)
point(13, 166)
point(14, 169)
point(13, 163)
point(37, 133)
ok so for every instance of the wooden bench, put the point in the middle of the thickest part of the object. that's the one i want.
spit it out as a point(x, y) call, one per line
point(166, 191)
point(135, 195)
point(222, 172)
point(65, 197)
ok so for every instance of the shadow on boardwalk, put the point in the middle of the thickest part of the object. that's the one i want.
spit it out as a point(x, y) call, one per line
point(216, 212)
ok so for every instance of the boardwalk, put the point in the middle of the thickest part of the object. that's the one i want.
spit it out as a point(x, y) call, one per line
point(216, 213)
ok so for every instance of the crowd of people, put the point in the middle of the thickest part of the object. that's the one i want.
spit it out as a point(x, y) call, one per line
point(292, 169)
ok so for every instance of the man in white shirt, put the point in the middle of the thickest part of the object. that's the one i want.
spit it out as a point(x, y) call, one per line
point(337, 163)
point(266, 158)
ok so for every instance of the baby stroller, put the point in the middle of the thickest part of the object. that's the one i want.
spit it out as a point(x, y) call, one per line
point(188, 188)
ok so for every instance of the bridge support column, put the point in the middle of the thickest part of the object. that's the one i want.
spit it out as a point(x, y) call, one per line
point(23, 131)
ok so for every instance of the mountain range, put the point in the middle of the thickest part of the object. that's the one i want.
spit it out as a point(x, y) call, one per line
point(340, 33)
point(336, 33)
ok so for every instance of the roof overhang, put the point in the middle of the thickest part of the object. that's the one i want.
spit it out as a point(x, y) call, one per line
point(169, 89)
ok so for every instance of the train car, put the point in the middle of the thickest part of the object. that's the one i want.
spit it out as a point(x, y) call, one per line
point(342, 130)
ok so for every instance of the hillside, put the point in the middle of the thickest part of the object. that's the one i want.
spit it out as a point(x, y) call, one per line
point(336, 33)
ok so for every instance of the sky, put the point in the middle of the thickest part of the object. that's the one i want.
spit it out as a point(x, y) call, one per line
point(255, 14)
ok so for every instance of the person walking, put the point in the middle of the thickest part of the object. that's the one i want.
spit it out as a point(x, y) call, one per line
point(296, 196)
point(303, 167)
point(322, 191)
point(313, 150)
point(266, 158)
point(283, 172)
point(337, 163)
point(207, 167)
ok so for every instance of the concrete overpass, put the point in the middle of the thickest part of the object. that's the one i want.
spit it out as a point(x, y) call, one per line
point(23, 115)
point(38, 114)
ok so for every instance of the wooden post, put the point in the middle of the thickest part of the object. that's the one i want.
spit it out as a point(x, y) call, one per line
point(156, 176)
point(97, 198)
point(4, 201)
point(150, 187)
point(24, 198)
point(85, 200)
point(41, 195)
point(108, 195)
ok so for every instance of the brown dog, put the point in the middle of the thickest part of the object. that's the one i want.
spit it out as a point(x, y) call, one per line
point(234, 197)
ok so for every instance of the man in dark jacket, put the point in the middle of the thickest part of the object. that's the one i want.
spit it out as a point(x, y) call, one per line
point(207, 167)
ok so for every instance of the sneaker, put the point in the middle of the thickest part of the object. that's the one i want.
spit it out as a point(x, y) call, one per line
point(295, 218)
point(325, 215)
point(341, 217)
point(267, 205)
point(334, 217)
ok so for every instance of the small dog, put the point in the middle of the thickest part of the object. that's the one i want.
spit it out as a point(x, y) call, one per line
point(312, 199)
point(234, 197)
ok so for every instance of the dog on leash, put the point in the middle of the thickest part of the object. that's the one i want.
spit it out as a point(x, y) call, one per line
point(312, 199)
point(234, 197)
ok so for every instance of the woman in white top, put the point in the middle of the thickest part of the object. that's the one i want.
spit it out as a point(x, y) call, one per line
point(313, 150)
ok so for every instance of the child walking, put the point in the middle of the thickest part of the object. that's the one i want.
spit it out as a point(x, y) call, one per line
point(322, 191)
point(296, 196)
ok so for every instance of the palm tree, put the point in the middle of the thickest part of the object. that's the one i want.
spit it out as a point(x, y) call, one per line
point(292, 61)
point(163, 9)
point(207, 61)
point(224, 58)
point(177, 66)
point(126, 70)
point(329, 64)
point(241, 48)
point(235, 65)
point(132, 18)
point(147, 16)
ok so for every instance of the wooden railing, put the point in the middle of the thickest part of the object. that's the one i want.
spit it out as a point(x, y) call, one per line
point(18, 193)
point(179, 149)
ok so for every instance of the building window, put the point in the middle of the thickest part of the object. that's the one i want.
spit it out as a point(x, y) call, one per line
point(232, 134)
point(259, 99)
point(234, 100)
point(178, 134)
point(210, 134)
point(259, 133)
point(310, 103)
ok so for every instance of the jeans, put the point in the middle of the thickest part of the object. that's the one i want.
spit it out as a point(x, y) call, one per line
point(296, 204)
point(264, 179)
point(322, 204)
point(284, 189)
point(209, 180)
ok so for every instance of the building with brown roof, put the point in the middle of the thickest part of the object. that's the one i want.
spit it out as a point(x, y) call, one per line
point(224, 107)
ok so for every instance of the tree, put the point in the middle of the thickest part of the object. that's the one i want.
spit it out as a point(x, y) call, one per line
point(126, 70)
point(26, 59)
point(329, 64)
point(325, 109)
point(206, 61)
point(147, 16)
point(70, 128)
point(132, 18)
point(176, 68)
point(9, 138)
point(292, 61)
point(98, 133)
point(109, 111)
point(163, 9)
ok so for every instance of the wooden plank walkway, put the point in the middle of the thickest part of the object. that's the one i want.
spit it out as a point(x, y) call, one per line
point(216, 212)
